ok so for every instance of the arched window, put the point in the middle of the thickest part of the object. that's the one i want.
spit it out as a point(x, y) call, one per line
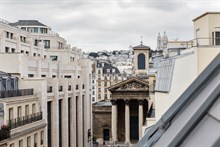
point(141, 61)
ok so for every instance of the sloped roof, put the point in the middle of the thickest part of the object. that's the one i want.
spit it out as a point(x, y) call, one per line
point(27, 23)
point(106, 67)
point(194, 119)
point(141, 46)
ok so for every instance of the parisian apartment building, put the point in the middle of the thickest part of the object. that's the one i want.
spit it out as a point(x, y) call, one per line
point(45, 88)
point(105, 75)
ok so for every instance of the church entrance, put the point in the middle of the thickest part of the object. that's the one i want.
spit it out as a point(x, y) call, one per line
point(134, 128)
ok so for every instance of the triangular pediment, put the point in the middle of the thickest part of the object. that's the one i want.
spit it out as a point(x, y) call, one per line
point(133, 84)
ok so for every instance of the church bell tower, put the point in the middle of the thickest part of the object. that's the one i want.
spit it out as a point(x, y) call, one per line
point(141, 58)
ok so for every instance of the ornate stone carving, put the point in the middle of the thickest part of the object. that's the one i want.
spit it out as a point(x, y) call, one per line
point(114, 102)
point(133, 86)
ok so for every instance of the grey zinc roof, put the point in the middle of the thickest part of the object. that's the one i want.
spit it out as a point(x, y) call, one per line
point(194, 119)
point(108, 66)
point(27, 23)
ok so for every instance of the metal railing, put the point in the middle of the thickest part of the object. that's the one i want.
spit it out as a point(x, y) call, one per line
point(15, 93)
point(21, 121)
point(199, 42)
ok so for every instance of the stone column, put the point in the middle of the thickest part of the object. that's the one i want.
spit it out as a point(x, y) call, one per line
point(114, 121)
point(127, 122)
point(140, 117)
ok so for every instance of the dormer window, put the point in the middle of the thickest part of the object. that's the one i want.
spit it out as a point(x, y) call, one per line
point(113, 70)
point(108, 70)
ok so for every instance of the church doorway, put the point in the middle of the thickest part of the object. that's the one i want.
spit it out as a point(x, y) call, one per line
point(106, 134)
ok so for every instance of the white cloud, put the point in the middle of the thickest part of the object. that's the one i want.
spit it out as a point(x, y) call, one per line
point(111, 24)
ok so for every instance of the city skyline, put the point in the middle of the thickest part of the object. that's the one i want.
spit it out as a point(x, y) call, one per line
point(111, 25)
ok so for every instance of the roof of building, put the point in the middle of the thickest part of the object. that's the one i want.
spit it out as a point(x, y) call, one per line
point(141, 46)
point(4, 74)
point(27, 23)
point(194, 118)
point(205, 14)
point(103, 103)
point(108, 68)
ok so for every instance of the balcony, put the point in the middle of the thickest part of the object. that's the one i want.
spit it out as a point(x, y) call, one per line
point(201, 42)
point(16, 93)
point(21, 121)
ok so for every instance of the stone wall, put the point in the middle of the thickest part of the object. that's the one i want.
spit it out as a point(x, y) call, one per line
point(101, 120)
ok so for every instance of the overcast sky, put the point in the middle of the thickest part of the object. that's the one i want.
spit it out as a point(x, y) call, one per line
point(111, 24)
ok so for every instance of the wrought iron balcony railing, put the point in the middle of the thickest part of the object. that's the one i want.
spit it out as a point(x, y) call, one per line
point(21, 121)
point(15, 93)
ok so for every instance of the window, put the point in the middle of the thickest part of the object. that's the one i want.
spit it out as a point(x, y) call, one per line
point(93, 87)
point(35, 140)
point(12, 50)
point(99, 96)
point(54, 58)
point(30, 75)
point(33, 108)
point(99, 90)
point(105, 84)
point(99, 84)
point(69, 87)
point(12, 145)
point(42, 137)
point(67, 76)
point(43, 30)
point(43, 76)
point(53, 76)
point(217, 38)
point(49, 89)
point(27, 52)
point(93, 81)
point(93, 93)
point(60, 88)
point(106, 89)
point(6, 49)
point(108, 70)
point(141, 61)
point(11, 116)
point(77, 87)
point(29, 141)
point(83, 86)
point(26, 110)
point(99, 71)
point(23, 39)
point(113, 70)
point(19, 111)
point(46, 43)
point(20, 143)
point(105, 96)
point(36, 42)
point(22, 51)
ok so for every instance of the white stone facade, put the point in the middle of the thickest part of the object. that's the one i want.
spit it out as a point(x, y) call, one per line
point(59, 76)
